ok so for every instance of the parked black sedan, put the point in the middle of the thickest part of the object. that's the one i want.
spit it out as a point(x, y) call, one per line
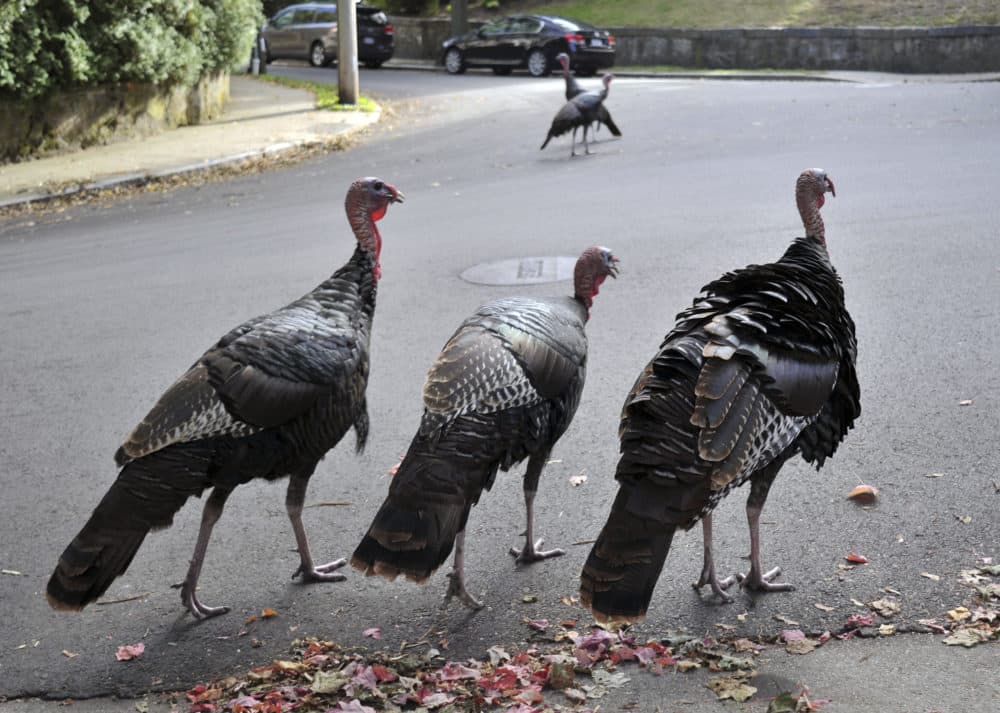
point(531, 42)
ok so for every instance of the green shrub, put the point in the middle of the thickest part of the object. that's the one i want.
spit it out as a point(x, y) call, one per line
point(409, 7)
point(46, 45)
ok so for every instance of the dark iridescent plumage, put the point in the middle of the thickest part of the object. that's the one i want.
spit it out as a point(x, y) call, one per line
point(268, 400)
point(580, 111)
point(573, 88)
point(759, 368)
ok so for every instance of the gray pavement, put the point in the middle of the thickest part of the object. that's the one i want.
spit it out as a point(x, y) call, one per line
point(107, 303)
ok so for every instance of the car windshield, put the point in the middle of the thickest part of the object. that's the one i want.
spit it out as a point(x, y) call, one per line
point(570, 25)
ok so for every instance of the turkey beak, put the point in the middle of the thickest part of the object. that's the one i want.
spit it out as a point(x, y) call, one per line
point(829, 187)
point(396, 196)
point(613, 267)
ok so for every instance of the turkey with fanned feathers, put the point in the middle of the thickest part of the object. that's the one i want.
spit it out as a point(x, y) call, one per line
point(580, 111)
point(573, 88)
point(760, 368)
point(267, 401)
point(504, 388)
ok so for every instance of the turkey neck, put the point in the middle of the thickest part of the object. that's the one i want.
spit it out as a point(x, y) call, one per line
point(812, 221)
point(365, 230)
point(585, 287)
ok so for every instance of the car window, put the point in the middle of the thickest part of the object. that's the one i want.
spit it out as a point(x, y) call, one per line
point(530, 24)
point(303, 17)
point(283, 19)
point(570, 25)
point(325, 17)
point(497, 27)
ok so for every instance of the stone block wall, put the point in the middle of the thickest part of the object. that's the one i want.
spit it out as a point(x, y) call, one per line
point(973, 48)
point(85, 117)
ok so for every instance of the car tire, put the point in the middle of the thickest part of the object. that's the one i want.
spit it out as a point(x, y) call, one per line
point(454, 62)
point(502, 71)
point(539, 64)
point(373, 63)
point(317, 55)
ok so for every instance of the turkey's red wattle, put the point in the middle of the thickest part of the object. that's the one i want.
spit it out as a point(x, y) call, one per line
point(379, 212)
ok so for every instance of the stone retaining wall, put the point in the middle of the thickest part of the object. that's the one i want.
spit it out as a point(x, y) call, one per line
point(85, 117)
point(973, 48)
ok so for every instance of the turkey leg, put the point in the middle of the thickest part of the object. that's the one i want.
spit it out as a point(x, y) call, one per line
point(189, 587)
point(532, 551)
point(757, 579)
point(294, 499)
point(708, 575)
point(456, 578)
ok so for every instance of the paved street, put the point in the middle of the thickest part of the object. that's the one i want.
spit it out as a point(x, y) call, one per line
point(103, 306)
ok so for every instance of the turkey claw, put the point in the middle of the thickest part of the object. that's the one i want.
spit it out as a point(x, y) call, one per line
point(758, 582)
point(534, 553)
point(322, 573)
point(456, 588)
point(718, 586)
point(198, 610)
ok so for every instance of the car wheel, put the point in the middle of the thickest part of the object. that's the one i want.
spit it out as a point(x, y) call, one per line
point(502, 71)
point(317, 55)
point(373, 63)
point(454, 62)
point(538, 64)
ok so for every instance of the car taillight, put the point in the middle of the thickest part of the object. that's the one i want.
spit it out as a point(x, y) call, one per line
point(388, 29)
point(611, 40)
point(571, 37)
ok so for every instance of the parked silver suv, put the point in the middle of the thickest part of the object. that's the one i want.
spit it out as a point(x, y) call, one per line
point(309, 31)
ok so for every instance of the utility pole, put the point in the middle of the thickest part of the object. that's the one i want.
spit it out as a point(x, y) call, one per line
point(459, 17)
point(347, 52)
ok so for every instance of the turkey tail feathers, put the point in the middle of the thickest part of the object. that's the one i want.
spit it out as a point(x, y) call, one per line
point(604, 116)
point(621, 571)
point(104, 548)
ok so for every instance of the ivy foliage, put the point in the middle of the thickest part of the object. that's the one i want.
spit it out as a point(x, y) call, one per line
point(47, 45)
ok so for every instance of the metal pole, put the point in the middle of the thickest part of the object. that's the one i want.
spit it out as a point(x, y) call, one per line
point(459, 17)
point(347, 52)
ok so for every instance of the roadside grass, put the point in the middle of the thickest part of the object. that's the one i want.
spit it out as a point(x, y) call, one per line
point(326, 94)
point(765, 13)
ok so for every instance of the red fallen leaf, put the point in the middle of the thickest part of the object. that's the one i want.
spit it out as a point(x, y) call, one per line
point(373, 633)
point(792, 635)
point(130, 651)
point(864, 494)
point(537, 624)
point(383, 673)
point(856, 558)
point(856, 621)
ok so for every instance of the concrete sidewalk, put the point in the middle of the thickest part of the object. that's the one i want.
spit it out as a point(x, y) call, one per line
point(260, 118)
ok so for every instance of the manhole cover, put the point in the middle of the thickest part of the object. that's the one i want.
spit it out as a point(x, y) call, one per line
point(522, 271)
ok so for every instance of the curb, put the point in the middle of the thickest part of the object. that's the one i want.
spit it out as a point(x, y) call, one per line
point(141, 178)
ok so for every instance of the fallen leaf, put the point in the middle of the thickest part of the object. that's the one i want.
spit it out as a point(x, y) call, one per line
point(785, 620)
point(857, 602)
point(784, 703)
point(354, 706)
point(69, 654)
point(608, 679)
point(130, 651)
point(932, 577)
point(964, 519)
point(823, 607)
point(328, 681)
point(934, 475)
point(967, 638)
point(864, 494)
point(268, 613)
point(537, 624)
point(959, 614)
point(966, 402)
point(685, 665)
point(801, 646)
point(856, 558)
point(373, 633)
point(497, 655)
point(11, 572)
point(562, 675)
point(887, 630)
point(886, 607)
point(890, 590)
point(250, 620)
point(791, 635)
point(529, 599)
point(932, 625)
point(730, 687)
point(575, 695)
point(569, 601)
point(577, 480)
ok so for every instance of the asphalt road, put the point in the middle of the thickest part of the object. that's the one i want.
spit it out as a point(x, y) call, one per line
point(102, 306)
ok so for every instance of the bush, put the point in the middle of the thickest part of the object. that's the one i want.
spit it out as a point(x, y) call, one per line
point(409, 7)
point(46, 45)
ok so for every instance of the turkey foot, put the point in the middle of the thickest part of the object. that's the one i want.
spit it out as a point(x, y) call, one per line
point(533, 552)
point(456, 578)
point(762, 582)
point(708, 575)
point(190, 599)
point(321, 573)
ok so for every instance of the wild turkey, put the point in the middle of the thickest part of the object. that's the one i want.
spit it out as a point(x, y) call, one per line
point(268, 400)
point(758, 369)
point(504, 388)
point(581, 110)
point(573, 88)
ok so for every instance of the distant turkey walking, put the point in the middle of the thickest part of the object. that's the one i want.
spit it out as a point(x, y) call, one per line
point(267, 401)
point(580, 111)
point(573, 88)
point(760, 368)
point(504, 388)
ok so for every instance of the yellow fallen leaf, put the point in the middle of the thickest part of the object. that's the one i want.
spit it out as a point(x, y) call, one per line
point(887, 630)
point(959, 614)
point(932, 577)
point(69, 654)
point(864, 494)
point(268, 613)
point(823, 607)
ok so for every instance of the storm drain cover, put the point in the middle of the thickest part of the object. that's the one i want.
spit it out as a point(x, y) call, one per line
point(522, 271)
